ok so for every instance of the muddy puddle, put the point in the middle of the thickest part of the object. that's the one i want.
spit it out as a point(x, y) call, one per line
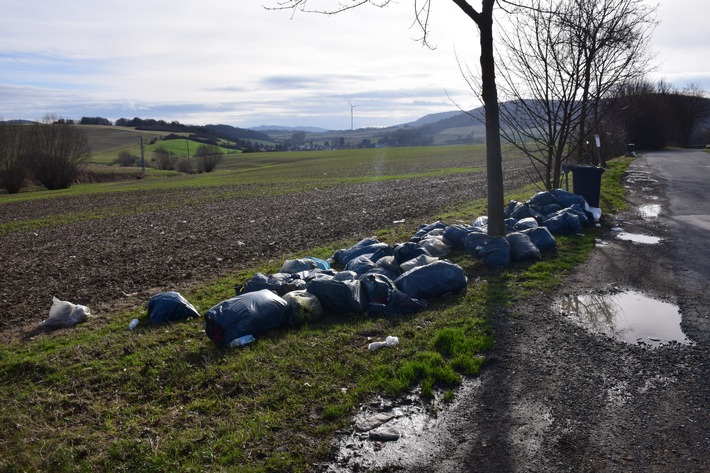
point(385, 434)
point(627, 316)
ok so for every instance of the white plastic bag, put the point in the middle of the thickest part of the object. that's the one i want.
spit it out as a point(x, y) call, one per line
point(65, 314)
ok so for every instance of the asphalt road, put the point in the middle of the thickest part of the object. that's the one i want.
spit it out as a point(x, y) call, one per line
point(686, 176)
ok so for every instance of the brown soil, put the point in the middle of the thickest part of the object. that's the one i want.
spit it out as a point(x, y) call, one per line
point(178, 239)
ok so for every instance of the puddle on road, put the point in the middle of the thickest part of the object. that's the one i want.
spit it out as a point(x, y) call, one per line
point(638, 238)
point(627, 316)
point(650, 211)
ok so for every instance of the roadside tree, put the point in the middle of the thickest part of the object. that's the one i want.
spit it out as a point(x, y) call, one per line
point(483, 19)
point(564, 60)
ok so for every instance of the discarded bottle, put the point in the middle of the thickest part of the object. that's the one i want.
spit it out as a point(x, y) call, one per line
point(133, 324)
point(241, 341)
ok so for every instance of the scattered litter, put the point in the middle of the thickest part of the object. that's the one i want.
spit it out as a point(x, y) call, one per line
point(373, 422)
point(389, 342)
point(396, 222)
point(64, 314)
point(133, 324)
point(385, 435)
point(617, 229)
point(241, 341)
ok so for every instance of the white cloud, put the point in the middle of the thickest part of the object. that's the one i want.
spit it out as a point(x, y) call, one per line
point(223, 61)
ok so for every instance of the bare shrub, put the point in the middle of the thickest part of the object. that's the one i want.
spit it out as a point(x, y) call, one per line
point(59, 150)
point(126, 159)
point(210, 156)
point(13, 151)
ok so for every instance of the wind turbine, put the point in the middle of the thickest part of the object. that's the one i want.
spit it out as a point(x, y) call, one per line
point(351, 114)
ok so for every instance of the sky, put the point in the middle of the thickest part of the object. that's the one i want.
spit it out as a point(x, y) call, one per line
point(235, 62)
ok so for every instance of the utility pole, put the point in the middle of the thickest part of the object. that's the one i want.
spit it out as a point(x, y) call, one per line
point(142, 154)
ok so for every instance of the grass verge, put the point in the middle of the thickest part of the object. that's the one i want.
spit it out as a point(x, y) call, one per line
point(162, 398)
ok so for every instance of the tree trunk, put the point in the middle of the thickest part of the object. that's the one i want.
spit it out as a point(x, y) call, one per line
point(494, 159)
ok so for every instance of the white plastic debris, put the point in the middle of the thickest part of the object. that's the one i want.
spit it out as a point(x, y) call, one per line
point(389, 342)
point(65, 314)
point(133, 324)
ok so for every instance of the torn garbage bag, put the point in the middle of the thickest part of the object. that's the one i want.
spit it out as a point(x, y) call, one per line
point(170, 307)
point(433, 280)
point(252, 313)
point(338, 296)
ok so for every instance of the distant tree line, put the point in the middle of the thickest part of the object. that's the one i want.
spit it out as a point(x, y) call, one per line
point(52, 153)
point(209, 134)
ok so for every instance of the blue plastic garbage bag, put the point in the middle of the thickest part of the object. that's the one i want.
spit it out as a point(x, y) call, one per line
point(425, 229)
point(360, 265)
point(563, 222)
point(382, 252)
point(525, 223)
point(439, 247)
point(291, 266)
point(476, 240)
point(521, 248)
point(320, 263)
point(335, 296)
point(377, 287)
point(567, 199)
point(457, 234)
point(280, 283)
point(542, 238)
point(542, 199)
point(481, 222)
point(170, 307)
point(432, 280)
point(407, 251)
point(517, 210)
point(496, 252)
point(252, 313)
point(364, 246)
point(397, 303)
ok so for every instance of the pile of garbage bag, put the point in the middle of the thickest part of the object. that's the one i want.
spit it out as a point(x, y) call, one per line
point(381, 279)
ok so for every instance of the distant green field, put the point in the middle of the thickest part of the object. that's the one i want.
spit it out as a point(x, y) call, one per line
point(280, 172)
point(107, 141)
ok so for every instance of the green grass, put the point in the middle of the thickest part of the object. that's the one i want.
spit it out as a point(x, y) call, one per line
point(161, 398)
